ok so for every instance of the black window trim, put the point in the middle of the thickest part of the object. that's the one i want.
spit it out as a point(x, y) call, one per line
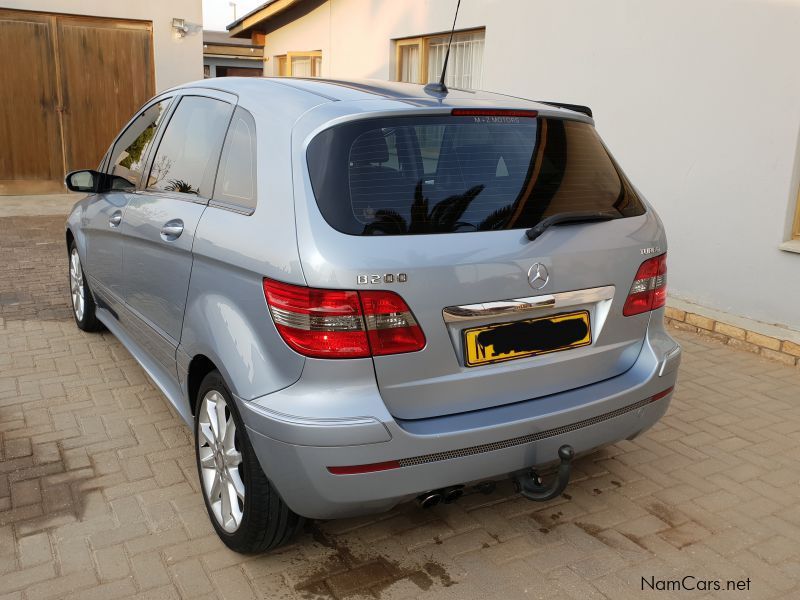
point(224, 204)
point(106, 165)
point(180, 94)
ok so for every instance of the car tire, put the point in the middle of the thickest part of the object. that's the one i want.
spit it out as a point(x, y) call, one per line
point(254, 518)
point(83, 305)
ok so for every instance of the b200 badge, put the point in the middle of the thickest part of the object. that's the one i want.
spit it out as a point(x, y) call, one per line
point(384, 278)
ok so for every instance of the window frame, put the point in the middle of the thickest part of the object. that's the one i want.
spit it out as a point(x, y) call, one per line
point(423, 41)
point(106, 165)
point(230, 99)
point(423, 57)
point(796, 223)
point(281, 64)
point(215, 199)
point(288, 56)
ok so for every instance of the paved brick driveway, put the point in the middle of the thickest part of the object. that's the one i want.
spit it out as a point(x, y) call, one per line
point(99, 499)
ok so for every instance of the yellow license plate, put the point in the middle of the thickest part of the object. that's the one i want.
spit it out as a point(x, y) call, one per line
point(510, 341)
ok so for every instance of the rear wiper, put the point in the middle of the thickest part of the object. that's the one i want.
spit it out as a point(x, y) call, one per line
point(569, 217)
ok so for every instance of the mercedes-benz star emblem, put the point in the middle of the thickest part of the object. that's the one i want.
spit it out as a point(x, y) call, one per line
point(538, 276)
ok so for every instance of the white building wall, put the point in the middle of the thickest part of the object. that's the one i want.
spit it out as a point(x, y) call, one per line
point(177, 60)
point(699, 101)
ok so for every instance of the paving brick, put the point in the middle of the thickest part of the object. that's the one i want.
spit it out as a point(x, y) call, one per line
point(73, 555)
point(776, 549)
point(127, 509)
point(99, 495)
point(107, 591)
point(112, 563)
point(467, 542)
point(149, 571)
point(513, 549)
point(26, 578)
point(191, 578)
point(133, 533)
point(233, 584)
point(685, 535)
point(17, 448)
point(34, 550)
point(25, 492)
point(59, 587)
point(149, 543)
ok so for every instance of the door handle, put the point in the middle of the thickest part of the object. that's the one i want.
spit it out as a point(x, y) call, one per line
point(172, 230)
point(115, 219)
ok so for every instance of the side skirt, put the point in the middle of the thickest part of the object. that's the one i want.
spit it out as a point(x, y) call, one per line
point(168, 386)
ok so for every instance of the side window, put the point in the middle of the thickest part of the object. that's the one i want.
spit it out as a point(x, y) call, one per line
point(187, 156)
point(130, 150)
point(236, 180)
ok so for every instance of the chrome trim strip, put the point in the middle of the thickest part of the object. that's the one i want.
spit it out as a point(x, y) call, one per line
point(230, 206)
point(518, 306)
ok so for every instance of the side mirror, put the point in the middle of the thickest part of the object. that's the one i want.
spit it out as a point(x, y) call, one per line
point(92, 182)
point(83, 181)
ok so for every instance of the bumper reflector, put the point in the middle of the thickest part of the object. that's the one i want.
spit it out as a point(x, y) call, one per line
point(661, 395)
point(370, 468)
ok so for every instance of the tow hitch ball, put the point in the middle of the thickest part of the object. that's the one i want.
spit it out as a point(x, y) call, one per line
point(532, 487)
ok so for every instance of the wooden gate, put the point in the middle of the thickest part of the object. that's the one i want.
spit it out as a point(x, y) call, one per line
point(69, 84)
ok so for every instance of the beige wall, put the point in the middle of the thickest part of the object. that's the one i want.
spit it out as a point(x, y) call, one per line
point(177, 60)
point(699, 101)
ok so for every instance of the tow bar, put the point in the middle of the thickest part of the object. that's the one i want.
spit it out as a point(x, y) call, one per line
point(531, 486)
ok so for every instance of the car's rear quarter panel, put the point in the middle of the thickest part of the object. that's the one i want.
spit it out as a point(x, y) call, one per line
point(226, 318)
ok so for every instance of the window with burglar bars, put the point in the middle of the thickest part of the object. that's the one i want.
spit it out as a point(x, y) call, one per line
point(420, 59)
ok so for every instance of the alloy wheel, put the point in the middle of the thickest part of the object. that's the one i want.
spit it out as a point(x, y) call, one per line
point(220, 459)
point(76, 284)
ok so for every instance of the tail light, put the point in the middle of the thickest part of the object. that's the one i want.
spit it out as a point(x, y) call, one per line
point(649, 289)
point(342, 323)
point(391, 328)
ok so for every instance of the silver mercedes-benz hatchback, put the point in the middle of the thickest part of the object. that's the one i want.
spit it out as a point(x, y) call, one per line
point(360, 293)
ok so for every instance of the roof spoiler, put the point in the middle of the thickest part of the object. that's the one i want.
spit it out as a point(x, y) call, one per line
point(576, 107)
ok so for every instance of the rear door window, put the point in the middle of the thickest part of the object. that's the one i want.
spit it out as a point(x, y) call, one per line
point(187, 156)
point(415, 175)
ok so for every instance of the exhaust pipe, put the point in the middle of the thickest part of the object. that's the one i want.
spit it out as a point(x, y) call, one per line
point(446, 495)
point(452, 494)
point(429, 499)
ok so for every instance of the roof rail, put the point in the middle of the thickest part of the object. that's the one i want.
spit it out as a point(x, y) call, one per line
point(576, 107)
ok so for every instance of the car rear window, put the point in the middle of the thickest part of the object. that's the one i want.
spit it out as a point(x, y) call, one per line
point(432, 174)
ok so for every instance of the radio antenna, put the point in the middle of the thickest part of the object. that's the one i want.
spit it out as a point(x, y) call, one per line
point(440, 87)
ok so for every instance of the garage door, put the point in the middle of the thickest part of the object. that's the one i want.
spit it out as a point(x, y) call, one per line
point(69, 84)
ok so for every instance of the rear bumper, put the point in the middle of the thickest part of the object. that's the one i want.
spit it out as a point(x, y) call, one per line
point(295, 451)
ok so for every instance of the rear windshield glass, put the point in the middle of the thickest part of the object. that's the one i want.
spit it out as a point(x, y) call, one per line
point(412, 175)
